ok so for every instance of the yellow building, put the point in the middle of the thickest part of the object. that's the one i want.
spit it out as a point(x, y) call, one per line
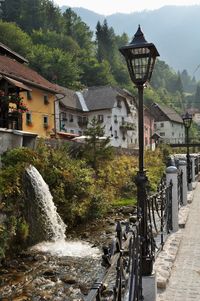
point(40, 115)
point(37, 94)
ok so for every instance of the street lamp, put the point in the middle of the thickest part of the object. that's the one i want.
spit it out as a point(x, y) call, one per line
point(140, 57)
point(187, 121)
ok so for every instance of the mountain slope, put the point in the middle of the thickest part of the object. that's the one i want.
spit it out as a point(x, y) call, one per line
point(173, 29)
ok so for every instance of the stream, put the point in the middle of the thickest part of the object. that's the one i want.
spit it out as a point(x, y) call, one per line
point(57, 267)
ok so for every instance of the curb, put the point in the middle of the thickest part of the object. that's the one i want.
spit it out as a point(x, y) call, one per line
point(165, 260)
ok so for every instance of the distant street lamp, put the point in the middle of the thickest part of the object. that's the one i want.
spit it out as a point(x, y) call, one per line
point(187, 121)
point(140, 58)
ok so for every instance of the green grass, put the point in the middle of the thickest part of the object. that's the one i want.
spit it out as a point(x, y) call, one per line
point(124, 202)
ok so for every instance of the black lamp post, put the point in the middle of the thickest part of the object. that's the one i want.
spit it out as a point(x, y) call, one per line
point(187, 121)
point(140, 58)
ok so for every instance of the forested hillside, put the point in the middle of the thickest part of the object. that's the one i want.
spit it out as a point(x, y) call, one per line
point(62, 48)
point(177, 35)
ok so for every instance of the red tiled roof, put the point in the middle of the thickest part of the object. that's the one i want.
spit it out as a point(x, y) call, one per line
point(23, 73)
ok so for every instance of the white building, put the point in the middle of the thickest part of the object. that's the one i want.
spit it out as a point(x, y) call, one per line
point(114, 108)
point(168, 124)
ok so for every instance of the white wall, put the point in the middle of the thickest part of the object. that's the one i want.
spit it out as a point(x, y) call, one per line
point(170, 132)
point(112, 120)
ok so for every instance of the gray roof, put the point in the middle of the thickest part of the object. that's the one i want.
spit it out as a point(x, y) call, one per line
point(70, 99)
point(102, 98)
point(166, 113)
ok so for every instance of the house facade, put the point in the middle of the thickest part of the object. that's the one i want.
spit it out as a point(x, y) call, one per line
point(168, 124)
point(148, 129)
point(32, 103)
point(114, 108)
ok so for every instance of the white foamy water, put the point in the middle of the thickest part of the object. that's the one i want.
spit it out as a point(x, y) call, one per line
point(54, 222)
point(61, 248)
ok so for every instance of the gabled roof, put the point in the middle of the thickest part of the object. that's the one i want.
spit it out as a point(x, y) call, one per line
point(21, 72)
point(101, 98)
point(5, 50)
point(164, 113)
point(70, 99)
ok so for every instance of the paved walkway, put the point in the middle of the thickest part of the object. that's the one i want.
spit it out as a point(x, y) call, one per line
point(184, 283)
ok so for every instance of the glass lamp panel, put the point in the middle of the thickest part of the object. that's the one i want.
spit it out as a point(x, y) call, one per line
point(187, 122)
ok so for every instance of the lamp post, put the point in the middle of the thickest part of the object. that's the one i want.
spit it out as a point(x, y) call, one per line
point(140, 57)
point(187, 121)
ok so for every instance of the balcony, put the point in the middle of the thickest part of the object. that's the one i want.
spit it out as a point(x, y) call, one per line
point(83, 123)
point(127, 126)
point(12, 121)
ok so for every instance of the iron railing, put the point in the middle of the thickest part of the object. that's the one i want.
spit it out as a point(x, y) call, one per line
point(160, 213)
point(123, 257)
point(13, 121)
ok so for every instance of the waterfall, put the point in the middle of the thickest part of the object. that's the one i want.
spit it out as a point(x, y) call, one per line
point(46, 228)
point(44, 222)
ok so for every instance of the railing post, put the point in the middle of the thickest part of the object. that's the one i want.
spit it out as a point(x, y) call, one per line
point(172, 175)
point(193, 168)
point(183, 167)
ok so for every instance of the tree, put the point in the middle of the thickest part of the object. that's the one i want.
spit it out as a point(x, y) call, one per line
point(197, 97)
point(52, 39)
point(95, 73)
point(54, 64)
point(96, 148)
point(77, 29)
point(13, 37)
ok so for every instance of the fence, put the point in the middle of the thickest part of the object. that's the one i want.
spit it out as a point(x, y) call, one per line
point(123, 257)
point(124, 253)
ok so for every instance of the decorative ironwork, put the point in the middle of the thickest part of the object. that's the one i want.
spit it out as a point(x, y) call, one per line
point(124, 254)
point(160, 213)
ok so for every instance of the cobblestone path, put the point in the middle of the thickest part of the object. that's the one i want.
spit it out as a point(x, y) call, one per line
point(184, 283)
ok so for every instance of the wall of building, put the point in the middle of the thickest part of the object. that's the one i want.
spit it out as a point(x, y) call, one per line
point(10, 139)
point(170, 132)
point(111, 119)
point(40, 111)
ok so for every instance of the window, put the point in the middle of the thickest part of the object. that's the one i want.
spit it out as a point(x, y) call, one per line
point(46, 99)
point(123, 121)
point(71, 118)
point(115, 119)
point(29, 95)
point(45, 121)
point(162, 134)
point(28, 118)
point(63, 116)
point(116, 135)
point(119, 104)
point(82, 120)
point(62, 128)
point(72, 131)
point(100, 118)
point(162, 125)
point(172, 133)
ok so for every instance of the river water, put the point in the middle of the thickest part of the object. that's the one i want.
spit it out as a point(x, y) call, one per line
point(63, 269)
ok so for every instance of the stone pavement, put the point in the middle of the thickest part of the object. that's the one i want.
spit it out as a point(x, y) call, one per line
point(179, 278)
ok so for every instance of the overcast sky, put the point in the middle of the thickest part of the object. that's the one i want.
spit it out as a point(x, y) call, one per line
point(107, 7)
